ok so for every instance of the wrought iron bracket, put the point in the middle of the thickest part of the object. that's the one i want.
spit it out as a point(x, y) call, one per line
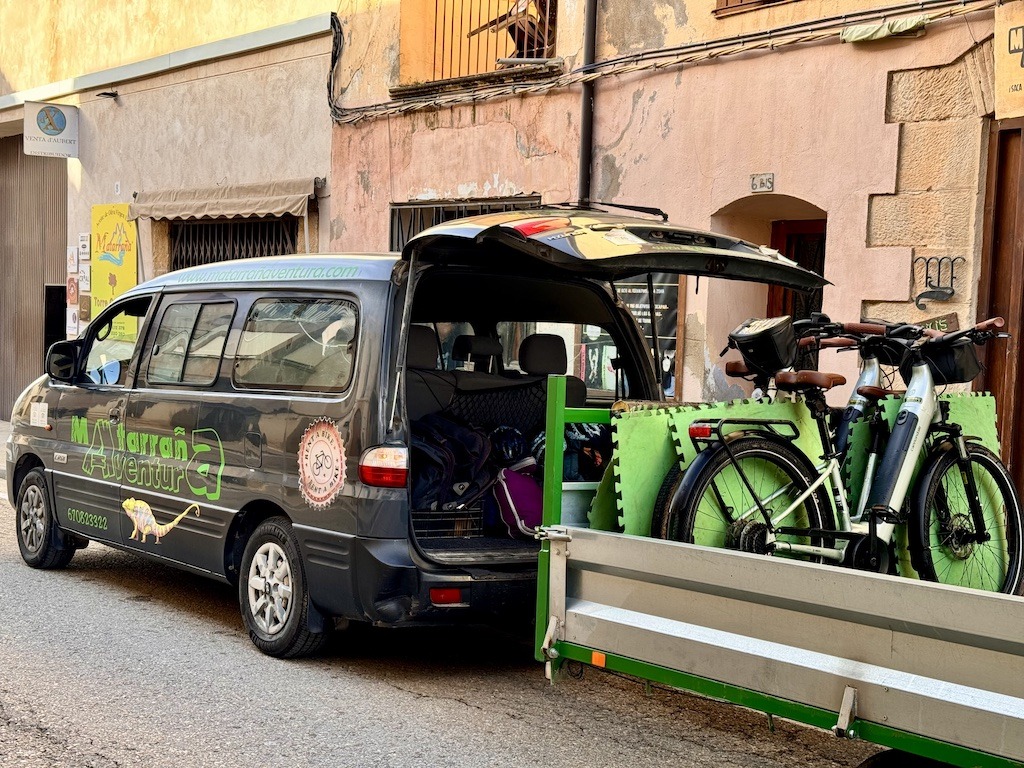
point(937, 288)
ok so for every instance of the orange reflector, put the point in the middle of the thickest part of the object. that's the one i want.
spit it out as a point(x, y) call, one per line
point(446, 596)
point(700, 430)
point(597, 659)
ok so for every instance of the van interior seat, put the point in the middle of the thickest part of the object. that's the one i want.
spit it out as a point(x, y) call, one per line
point(427, 389)
point(543, 354)
point(483, 351)
point(486, 400)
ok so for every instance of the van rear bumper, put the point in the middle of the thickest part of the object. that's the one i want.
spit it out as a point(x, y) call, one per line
point(384, 582)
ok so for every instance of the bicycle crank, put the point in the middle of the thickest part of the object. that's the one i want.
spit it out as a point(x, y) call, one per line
point(859, 555)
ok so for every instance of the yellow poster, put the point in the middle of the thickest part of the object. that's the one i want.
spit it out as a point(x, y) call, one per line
point(115, 250)
point(1009, 53)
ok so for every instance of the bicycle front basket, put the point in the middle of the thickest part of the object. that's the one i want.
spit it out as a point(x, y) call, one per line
point(767, 345)
point(955, 363)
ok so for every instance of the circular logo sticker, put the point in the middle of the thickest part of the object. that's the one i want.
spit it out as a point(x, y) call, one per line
point(51, 121)
point(321, 463)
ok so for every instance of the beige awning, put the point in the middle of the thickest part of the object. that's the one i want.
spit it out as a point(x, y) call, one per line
point(272, 198)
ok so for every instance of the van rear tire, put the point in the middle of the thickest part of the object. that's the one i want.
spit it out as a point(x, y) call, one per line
point(272, 593)
point(41, 543)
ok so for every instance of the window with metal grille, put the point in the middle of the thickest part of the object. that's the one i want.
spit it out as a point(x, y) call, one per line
point(409, 219)
point(207, 241)
point(726, 7)
point(448, 39)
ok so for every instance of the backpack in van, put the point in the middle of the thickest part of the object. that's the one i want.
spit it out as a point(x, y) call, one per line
point(450, 467)
point(520, 498)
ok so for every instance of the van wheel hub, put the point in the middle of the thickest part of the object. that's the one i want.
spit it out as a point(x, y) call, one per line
point(270, 588)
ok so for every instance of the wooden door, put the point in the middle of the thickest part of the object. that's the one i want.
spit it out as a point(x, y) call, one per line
point(1002, 280)
point(803, 242)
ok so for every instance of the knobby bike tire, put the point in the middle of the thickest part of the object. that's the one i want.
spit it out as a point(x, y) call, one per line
point(942, 516)
point(690, 508)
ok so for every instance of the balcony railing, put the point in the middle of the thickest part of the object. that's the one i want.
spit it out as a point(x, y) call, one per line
point(475, 37)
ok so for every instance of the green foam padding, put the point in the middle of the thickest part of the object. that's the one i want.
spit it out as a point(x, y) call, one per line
point(604, 514)
point(647, 441)
point(642, 446)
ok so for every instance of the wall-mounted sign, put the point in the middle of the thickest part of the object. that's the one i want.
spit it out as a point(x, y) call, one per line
point(945, 323)
point(1009, 53)
point(762, 182)
point(50, 130)
point(114, 249)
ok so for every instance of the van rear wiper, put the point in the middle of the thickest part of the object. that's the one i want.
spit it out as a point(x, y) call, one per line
point(592, 203)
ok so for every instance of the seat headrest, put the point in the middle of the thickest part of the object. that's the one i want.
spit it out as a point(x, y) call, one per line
point(467, 347)
point(424, 349)
point(543, 354)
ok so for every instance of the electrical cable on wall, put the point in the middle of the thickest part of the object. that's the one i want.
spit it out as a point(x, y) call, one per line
point(692, 53)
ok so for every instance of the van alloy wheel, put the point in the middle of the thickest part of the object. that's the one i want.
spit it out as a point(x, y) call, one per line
point(41, 542)
point(32, 519)
point(270, 588)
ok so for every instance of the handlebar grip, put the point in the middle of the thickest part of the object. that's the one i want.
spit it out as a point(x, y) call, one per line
point(874, 328)
point(838, 343)
point(992, 324)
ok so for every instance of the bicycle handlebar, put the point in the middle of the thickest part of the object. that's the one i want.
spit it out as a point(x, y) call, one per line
point(877, 329)
point(989, 326)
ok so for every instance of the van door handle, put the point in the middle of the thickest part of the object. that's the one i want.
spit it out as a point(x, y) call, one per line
point(114, 415)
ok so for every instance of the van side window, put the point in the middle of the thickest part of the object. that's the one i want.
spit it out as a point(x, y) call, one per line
point(189, 343)
point(111, 343)
point(297, 344)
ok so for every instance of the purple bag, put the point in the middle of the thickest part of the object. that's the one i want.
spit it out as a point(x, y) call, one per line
point(520, 498)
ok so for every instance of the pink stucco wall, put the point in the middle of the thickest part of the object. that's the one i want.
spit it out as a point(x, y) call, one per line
point(525, 145)
point(687, 141)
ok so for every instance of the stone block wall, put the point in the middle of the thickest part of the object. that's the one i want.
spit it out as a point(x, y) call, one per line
point(937, 207)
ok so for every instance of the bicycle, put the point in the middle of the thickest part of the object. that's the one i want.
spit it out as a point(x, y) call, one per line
point(762, 364)
point(749, 488)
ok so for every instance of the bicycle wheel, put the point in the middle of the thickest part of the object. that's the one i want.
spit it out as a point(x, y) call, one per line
point(942, 525)
point(712, 506)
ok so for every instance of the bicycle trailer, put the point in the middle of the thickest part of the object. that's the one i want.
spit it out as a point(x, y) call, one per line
point(927, 669)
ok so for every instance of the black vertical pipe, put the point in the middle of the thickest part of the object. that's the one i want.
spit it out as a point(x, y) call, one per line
point(587, 113)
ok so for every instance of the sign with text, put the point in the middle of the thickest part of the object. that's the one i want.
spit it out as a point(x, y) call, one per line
point(114, 254)
point(50, 130)
point(762, 182)
point(1009, 54)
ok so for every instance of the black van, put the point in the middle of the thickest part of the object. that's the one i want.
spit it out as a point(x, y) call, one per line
point(251, 420)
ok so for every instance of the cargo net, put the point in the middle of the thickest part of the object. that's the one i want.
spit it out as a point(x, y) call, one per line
point(520, 407)
point(456, 524)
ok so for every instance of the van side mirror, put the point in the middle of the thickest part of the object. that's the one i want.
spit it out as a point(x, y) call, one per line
point(62, 361)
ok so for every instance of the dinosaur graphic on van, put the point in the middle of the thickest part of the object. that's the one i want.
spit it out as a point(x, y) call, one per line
point(140, 513)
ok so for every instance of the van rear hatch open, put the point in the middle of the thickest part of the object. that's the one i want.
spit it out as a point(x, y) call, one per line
point(601, 245)
point(486, 267)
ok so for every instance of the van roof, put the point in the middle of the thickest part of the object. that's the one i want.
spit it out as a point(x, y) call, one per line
point(304, 268)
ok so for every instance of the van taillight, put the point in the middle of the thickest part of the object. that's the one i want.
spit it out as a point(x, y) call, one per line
point(386, 466)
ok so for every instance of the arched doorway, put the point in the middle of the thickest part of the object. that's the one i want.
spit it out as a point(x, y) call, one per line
point(793, 226)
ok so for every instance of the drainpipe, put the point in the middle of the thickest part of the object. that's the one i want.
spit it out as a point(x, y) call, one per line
point(587, 107)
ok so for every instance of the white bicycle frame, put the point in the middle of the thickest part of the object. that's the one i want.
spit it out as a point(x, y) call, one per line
point(920, 402)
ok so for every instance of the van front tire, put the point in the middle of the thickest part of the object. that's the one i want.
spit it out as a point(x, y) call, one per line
point(272, 593)
point(41, 543)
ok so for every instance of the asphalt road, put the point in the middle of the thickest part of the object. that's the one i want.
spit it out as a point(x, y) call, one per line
point(116, 661)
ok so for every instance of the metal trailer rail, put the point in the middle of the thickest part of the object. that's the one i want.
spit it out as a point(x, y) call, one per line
point(925, 668)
